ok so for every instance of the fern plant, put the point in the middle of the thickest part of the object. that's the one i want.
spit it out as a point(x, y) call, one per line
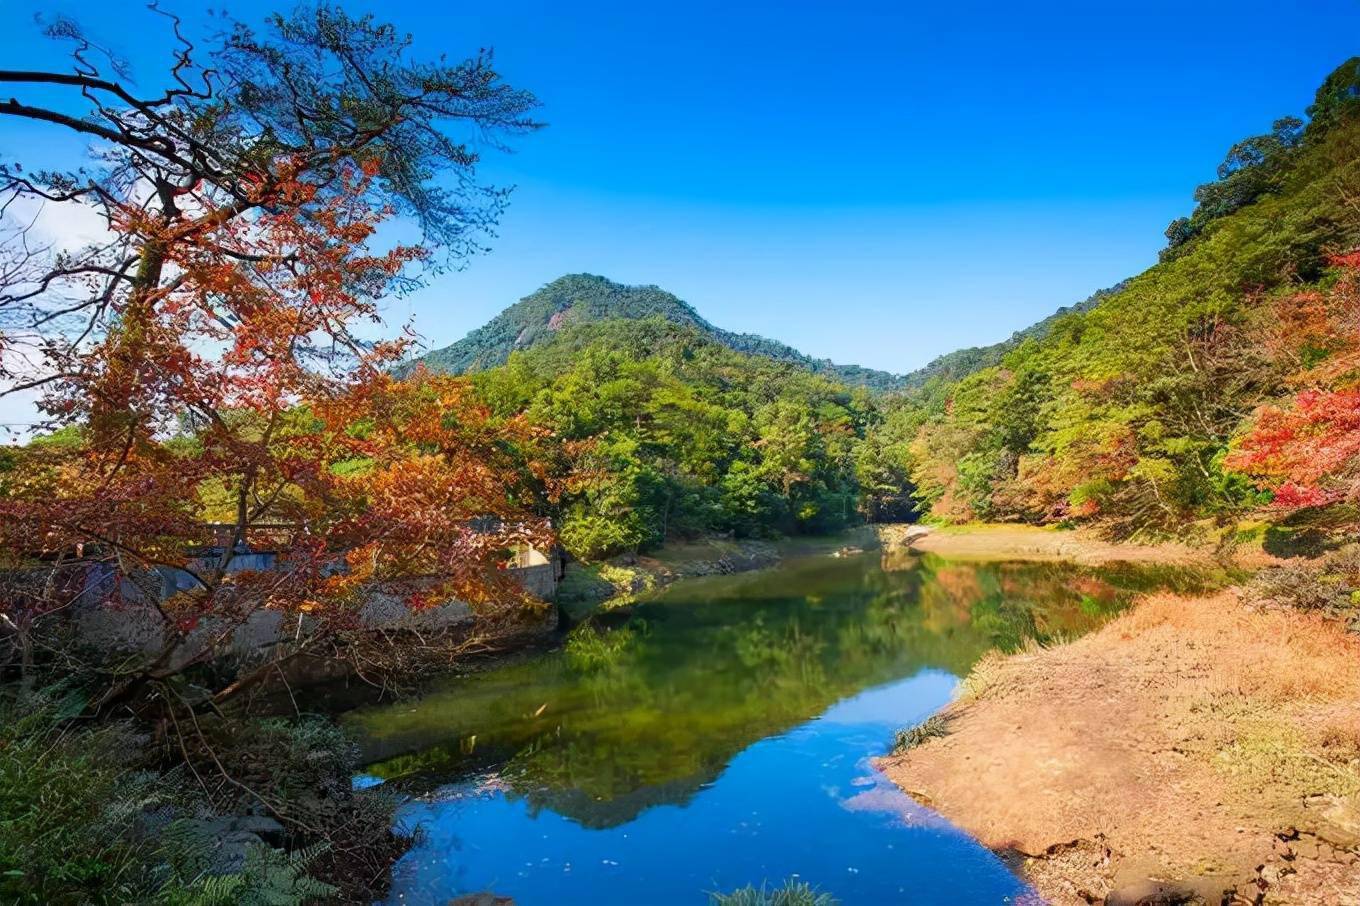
point(268, 876)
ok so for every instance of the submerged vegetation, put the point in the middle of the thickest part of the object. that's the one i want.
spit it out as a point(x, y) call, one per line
point(790, 893)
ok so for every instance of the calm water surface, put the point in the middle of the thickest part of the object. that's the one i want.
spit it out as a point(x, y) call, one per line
point(720, 736)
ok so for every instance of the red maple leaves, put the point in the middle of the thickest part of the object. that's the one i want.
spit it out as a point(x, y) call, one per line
point(1307, 449)
point(232, 405)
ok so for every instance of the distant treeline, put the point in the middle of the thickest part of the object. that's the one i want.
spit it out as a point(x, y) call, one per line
point(1222, 382)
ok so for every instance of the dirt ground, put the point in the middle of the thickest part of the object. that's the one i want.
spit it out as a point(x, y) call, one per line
point(1029, 542)
point(1199, 742)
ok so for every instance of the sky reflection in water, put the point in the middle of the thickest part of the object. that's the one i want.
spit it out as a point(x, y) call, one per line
point(722, 737)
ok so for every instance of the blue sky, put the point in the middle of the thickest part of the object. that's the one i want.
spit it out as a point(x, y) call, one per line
point(873, 182)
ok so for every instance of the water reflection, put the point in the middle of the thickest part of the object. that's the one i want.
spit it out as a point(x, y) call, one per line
point(682, 750)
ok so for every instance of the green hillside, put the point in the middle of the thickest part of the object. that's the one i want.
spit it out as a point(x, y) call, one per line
point(956, 365)
point(577, 299)
point(1223, 379)
point(668, 433)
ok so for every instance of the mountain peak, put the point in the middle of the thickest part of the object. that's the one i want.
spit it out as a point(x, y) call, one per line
point(586, 298)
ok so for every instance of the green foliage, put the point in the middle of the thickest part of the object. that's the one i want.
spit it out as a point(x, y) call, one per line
point(1126, 411)
point(956, 365)
point(590, 649)
point(87, 818)
point(268, 876)
point(67, 798)
point(686, 437)
point(619, 507)
point(577, 299)
point(792, 893)
point(1337, 97)
point(1253, 168)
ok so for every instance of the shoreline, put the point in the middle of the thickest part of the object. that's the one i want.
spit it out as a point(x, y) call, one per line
point(621, 581)
point(1029, 542)
point(1193, 750)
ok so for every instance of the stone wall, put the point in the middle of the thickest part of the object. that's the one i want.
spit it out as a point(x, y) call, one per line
point(134, 625)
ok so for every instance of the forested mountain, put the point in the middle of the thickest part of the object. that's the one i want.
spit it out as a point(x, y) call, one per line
point(1222, 383)
point(956, 365)
point(669, 433)
point(1223, 379)
point(586, 299)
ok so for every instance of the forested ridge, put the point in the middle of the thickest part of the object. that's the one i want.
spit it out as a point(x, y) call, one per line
point(576, 299)
point(956, 365)
point(672, 434)
point(1221, 381)
point(232, 483)
point(1218, 385)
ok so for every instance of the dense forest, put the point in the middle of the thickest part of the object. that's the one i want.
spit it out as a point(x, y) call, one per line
point(1221, 380)
point(682, 436)
point(1217, 385)
point(231, 483)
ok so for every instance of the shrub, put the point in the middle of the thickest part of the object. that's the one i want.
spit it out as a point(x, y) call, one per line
point(67, 798)
point(302, 768)
point(86, 819)
point(910, 738)
point(267, 877)
point(590, 649)
point(1330, 583)
point(792, 893)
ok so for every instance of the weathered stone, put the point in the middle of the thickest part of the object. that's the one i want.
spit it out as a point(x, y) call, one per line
point(135, 625)
point(262, 826)
point(481, 899)
point(387, 611)
point(1154, 893)
point(1306, 848)
point(227, 839)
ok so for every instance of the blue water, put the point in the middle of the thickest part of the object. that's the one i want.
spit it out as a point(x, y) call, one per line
point(719, 736)
point(804, 804)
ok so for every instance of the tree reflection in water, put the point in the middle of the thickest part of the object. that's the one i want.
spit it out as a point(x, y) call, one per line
point(648, 712)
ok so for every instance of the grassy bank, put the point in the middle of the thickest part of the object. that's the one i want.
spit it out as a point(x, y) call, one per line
point(1210, 745)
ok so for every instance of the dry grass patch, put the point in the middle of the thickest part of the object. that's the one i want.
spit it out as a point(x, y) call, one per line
point(1182, 739)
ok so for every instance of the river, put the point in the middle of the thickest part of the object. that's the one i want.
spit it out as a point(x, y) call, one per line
point(721, 734)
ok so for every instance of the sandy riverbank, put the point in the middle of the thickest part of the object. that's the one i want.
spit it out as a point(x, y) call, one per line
point(1200, 742)
point(1029, 542)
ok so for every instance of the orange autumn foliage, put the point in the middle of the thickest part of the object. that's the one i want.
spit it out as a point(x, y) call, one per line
point(1306, 450)
point(233, 406)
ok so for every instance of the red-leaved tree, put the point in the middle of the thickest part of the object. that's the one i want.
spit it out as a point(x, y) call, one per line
point(1307, 449)
point(203, 366)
